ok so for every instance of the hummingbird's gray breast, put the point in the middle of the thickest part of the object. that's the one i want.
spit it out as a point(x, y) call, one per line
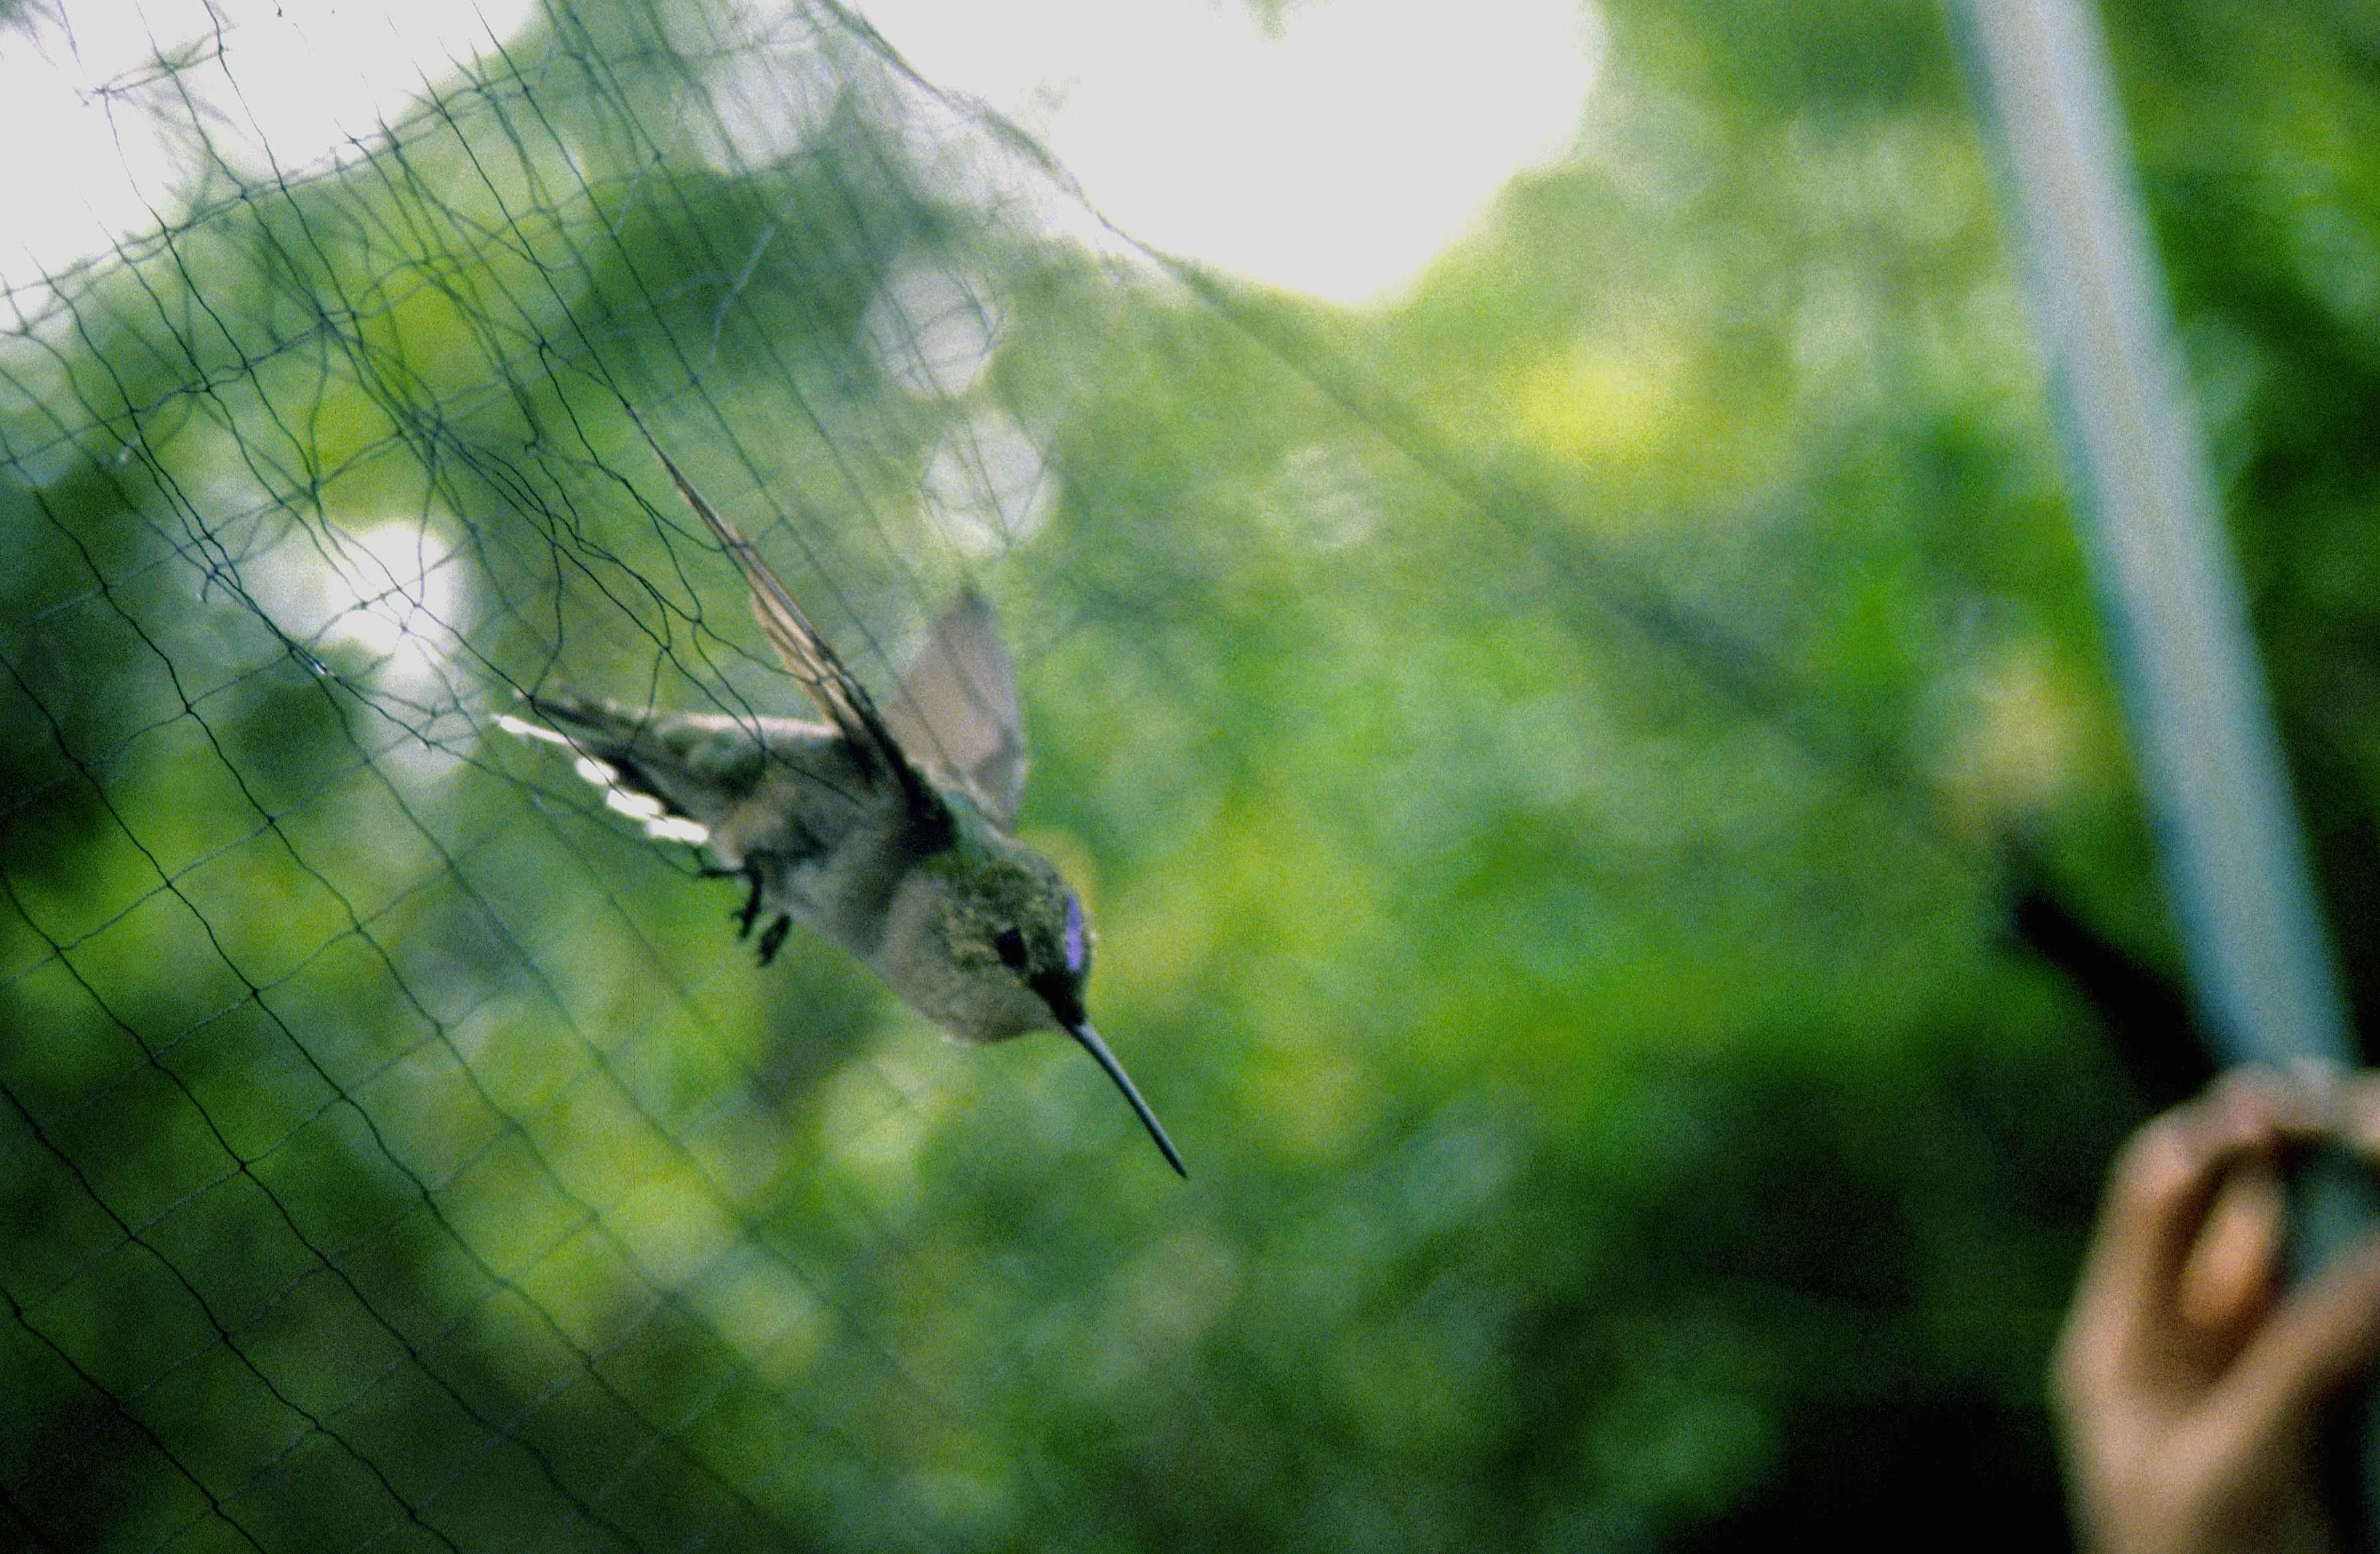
point(827, 840)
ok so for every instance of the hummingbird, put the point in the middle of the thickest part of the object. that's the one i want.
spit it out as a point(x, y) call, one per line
point(891, 835)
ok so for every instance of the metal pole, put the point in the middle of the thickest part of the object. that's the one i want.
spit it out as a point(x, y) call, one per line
point(2227, 834)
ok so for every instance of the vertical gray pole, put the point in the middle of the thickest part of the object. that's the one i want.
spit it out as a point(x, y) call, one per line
point(2227, 834)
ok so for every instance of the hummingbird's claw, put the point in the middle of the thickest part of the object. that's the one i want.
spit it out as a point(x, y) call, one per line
point(750, 912)
point(772, 938)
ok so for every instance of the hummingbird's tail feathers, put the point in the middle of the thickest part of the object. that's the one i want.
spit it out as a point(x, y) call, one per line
point(521, 728)
point(640, 761)
point(1107, 1060)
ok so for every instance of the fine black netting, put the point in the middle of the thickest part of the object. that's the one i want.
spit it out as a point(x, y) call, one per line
point(1512, 742)
point(387, 1171)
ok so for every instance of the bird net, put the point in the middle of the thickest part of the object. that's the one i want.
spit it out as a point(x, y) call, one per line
point(1500, 737)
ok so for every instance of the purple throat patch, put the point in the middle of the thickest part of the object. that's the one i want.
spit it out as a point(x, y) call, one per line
point(1075, 948)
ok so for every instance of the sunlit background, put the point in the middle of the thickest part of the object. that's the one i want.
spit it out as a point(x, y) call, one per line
point(1554, 645)
point(1328, 149)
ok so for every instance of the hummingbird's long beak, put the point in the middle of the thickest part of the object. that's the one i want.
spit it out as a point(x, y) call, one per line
point(1082, 1033)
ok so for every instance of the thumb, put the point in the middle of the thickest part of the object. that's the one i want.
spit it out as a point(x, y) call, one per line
point(2318, 1341)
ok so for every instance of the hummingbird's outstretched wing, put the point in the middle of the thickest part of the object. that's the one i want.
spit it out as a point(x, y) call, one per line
point(957, 713)
point(806, 657)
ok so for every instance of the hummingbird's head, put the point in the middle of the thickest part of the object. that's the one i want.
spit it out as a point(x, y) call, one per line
point(1017, 928)
point(1017, 931)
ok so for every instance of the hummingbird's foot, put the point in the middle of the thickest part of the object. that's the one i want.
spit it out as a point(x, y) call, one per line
point(751, 910)
point(772, 938)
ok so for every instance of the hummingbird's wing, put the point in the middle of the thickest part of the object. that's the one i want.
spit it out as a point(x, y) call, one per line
point(957, 712)
point(812, 664)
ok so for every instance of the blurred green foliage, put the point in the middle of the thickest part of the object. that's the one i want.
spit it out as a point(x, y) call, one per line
point(1543, 757)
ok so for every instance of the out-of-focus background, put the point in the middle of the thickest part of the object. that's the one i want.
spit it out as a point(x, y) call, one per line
point(1555, 646)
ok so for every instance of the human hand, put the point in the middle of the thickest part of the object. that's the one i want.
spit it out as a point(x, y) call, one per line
point(2188, 1385)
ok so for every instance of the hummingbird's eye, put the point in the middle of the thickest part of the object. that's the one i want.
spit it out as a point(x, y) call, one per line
point(1009, 945)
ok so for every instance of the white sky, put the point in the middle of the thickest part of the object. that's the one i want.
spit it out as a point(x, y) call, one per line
point(1336, 157)
point(96, 134)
